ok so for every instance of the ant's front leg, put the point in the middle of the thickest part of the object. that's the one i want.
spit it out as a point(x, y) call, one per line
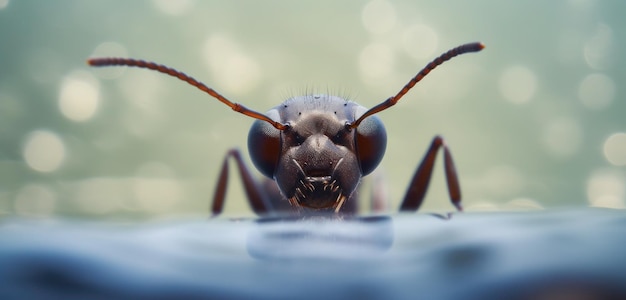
point(259, 195)
point(419, 184)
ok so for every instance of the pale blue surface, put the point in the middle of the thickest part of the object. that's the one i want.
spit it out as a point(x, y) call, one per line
point(471, 256)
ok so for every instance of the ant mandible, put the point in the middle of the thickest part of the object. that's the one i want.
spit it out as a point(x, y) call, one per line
point(316, 148)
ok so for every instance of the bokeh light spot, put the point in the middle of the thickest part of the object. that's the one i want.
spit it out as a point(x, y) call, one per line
point(378, 17)
point(232, 68)
point(145, 91)
point(598, 48)
point(44, 151)
point(420, 41)
point(563, 136)
point(615, 149)
point(4, 4)
point(503, 181)
point(376, 61)
point(606, 188)
point(596, 91)
point(518, 84)
point(79, 96)
point(154, 169)
point(174, 7)
point(99, 195)
point(34, 200)
point(157, 194)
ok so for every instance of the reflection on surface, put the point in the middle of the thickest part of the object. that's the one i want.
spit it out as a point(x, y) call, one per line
point(320, 238)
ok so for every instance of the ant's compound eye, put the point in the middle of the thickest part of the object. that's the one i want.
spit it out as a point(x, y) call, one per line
point(371, 142)
point(264, 147)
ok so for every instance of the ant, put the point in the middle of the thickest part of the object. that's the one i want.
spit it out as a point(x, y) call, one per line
point(316, 148)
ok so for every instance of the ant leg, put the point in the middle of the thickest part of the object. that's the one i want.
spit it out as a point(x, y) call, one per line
point(255, 194)
point(379, 202)
point(419, 184)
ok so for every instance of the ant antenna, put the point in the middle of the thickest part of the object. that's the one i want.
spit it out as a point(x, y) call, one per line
point(466, 48)
point(114, 61)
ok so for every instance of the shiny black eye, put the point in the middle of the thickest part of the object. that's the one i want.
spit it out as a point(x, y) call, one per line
point(371, 142)
point(264, 147)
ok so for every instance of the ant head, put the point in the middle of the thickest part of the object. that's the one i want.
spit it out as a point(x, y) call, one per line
point(317, 161)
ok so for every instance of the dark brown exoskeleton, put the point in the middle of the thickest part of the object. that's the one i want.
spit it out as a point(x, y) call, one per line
point(316, 148)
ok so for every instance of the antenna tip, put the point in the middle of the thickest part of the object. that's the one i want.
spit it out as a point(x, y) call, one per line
point(102, 62)
point(471, 47)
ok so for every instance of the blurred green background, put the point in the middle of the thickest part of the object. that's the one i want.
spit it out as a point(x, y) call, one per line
point(536, 120)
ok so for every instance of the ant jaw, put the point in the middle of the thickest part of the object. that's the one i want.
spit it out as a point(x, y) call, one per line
point(335, 207)
point(339, 203)
point(318, 193)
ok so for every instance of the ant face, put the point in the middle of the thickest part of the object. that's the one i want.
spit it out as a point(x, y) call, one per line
point(318, 161)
